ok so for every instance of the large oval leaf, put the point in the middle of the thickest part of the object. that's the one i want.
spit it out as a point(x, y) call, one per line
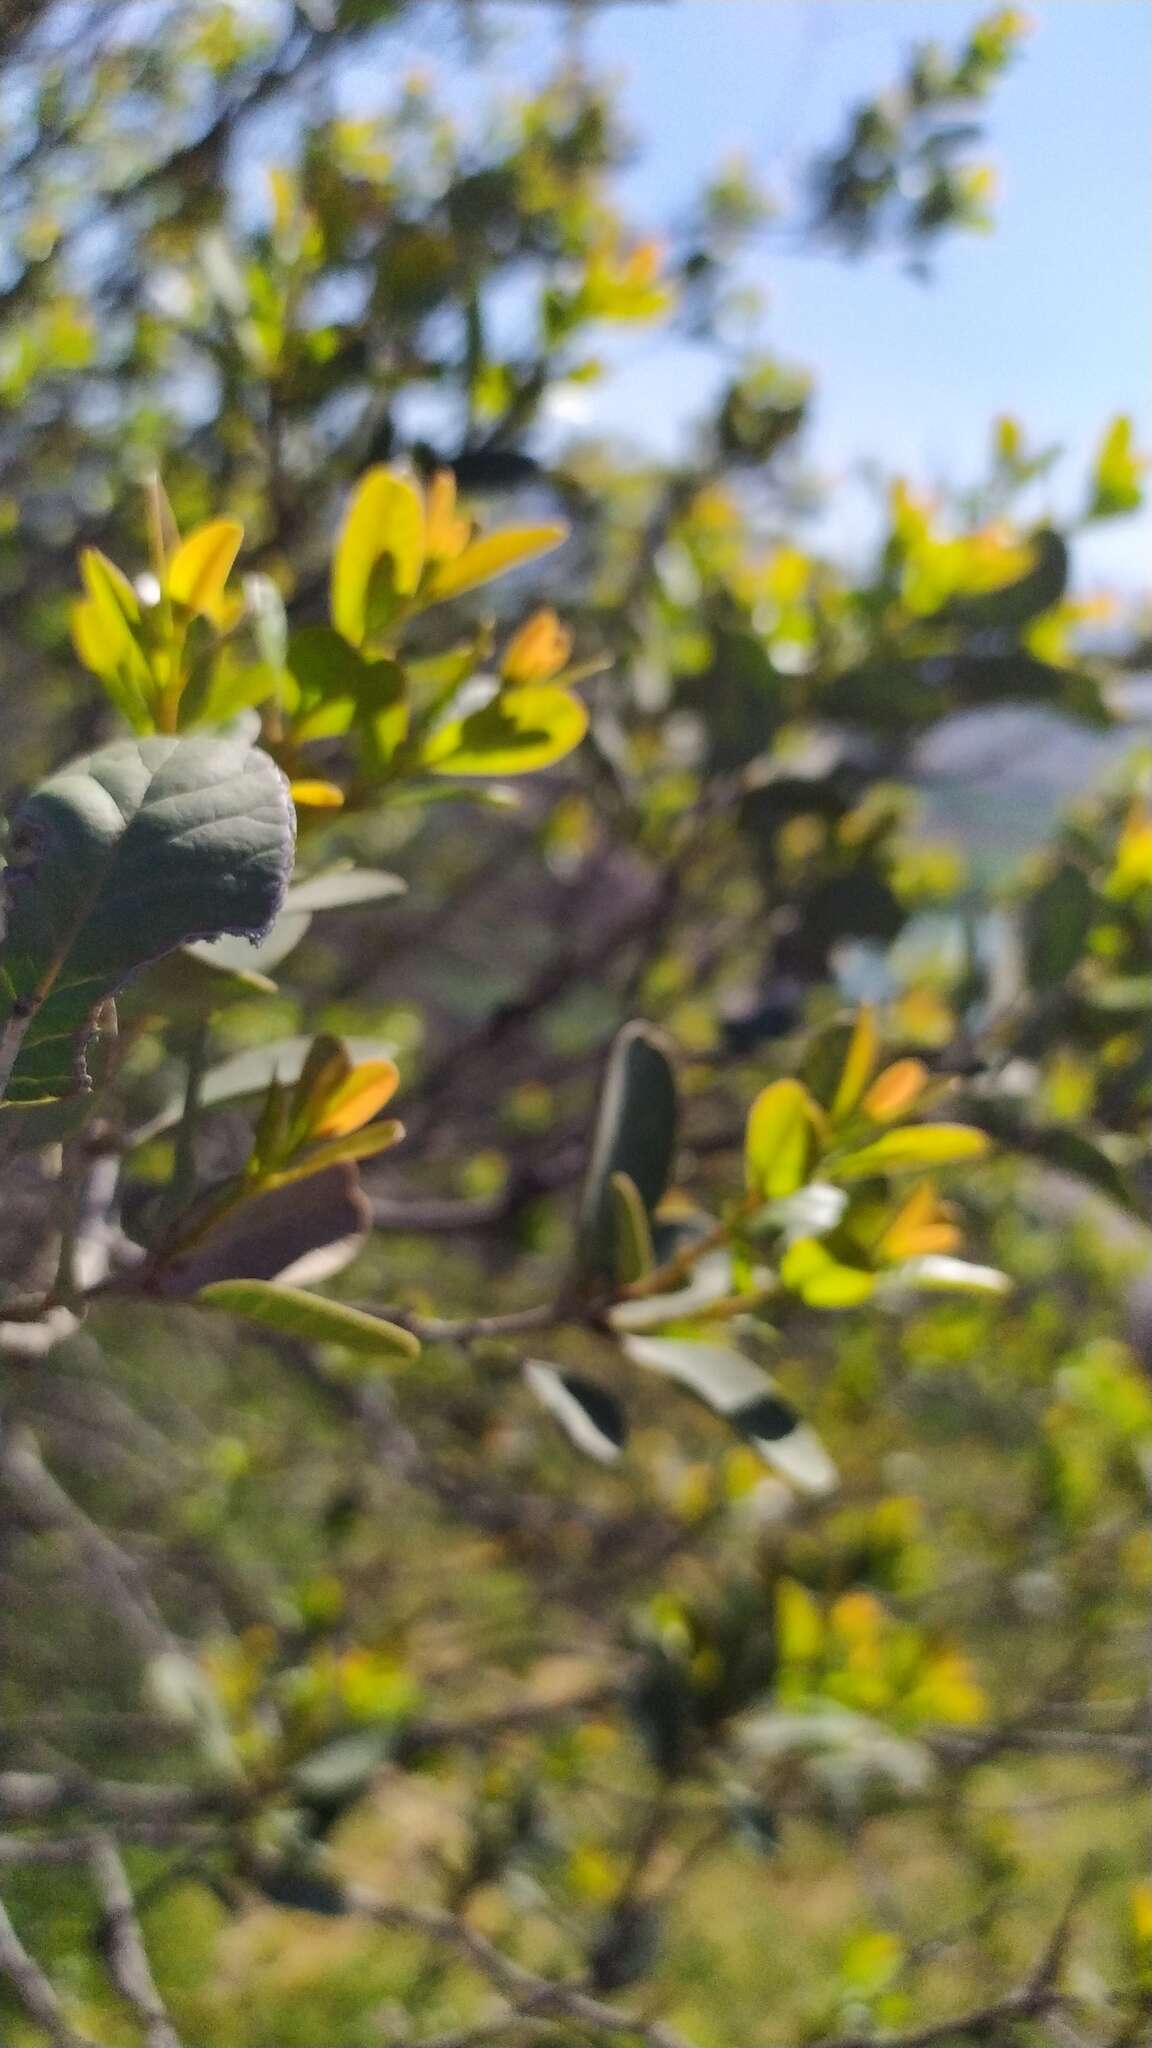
point(119, 858)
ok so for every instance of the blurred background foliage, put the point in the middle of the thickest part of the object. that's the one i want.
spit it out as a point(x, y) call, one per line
point(770, 1764)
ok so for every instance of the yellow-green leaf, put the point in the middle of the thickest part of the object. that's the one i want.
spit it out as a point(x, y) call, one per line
point(384, 525)
point(363, 1144)
point(820, 1279)
point(491, 556)
point(915, 1147)
point(311, 1317)
point(515, 732)
point(202, 564)
point(859, 1061)
point(780, 1140)
point(358, 1098)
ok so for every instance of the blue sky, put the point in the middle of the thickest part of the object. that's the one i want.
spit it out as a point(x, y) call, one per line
point(1050, 318)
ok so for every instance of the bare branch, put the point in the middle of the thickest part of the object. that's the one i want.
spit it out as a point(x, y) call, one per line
point(122, 1944)
point(33, 1990)
point(527, 1993)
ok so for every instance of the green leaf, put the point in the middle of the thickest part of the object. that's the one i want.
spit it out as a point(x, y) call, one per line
point(1013, 604)
point(1078, 1153)
point(810, 1270)
point(518, 731)
point(492, 556)
point(1116, 484)
point(248, 1073)
point(635, 1135)
point(634, 1253)
point(781, 1140)
point(308, 1316)
point(117, 860)
point(910, 1150)
point(1057, 920)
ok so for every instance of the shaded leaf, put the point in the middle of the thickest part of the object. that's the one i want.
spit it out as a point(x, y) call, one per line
point(118, 859)
point(300, 1235)
point(635, 1135)
point(589, 1415)
point(516, 732)
point(310, 1317)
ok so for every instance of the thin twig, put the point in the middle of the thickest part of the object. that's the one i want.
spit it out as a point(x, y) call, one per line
point(526, 1992)
point(33, 1990)
point(122, 1944)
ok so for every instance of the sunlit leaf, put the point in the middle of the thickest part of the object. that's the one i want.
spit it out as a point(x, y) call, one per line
point(308, 794)
point(909, 1150)
point(202, 564)
point(1116, 484)
point(516, 732)
point(822, 1280)
point(357, 1099)
point(895, 1091)
point(493, 555)
point(859, 1063)
point(383, 529)
point(780, 1141)
point(537, 651)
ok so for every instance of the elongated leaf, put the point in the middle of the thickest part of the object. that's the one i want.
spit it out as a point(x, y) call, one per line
point(492, 556)
point(343, 889)
point(1078, 1153)
point(363, 1144)
point(635, 1135)
point(748, 1400)
point(202, 565)
point(589, 1415)
point(910, 1150)
point(893, 1092)
point(309, 1316)
point(117, 860)
point(780, 1141)
point(634, 1253)
point(1057, 918)
point(384, 526)
point(357, 1099)
point(248, 1073)
point(518, 731)
point(859, 1063)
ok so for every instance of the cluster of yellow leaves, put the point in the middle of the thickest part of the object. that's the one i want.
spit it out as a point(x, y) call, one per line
point(856, 1651)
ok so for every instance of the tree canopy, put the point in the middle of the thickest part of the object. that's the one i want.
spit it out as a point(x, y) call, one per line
point(574, 1414)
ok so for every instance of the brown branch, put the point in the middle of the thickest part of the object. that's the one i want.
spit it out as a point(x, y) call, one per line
point(42, 1795)
point(122, 1945)
point(528, 1994)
